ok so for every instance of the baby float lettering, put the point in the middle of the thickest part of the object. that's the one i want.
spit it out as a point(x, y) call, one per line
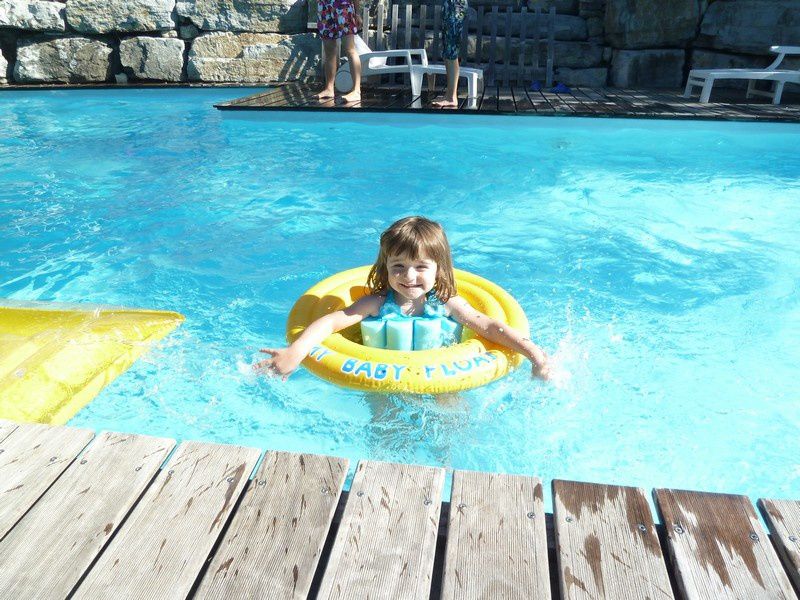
point(380, 371)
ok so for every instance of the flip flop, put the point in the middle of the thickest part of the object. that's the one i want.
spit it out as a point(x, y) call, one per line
point(536, 86)
point(561, 88)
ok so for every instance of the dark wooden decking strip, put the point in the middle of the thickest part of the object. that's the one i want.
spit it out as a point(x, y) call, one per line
point(108, 518)
point(517, 100)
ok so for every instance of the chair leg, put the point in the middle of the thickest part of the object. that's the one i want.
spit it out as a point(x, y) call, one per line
point(750, 85)
point(776, 98)
point(687, 92)
point(416, 83)
point(706, 93)
point(472, 85)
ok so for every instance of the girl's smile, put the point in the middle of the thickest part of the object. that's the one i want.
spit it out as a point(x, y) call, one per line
point(411, 278)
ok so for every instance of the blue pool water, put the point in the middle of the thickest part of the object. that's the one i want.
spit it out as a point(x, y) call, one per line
point(657, 261)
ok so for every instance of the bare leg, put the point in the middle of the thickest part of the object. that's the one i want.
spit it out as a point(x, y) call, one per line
point(331, 60)
point(354, 59)
point(450, 99)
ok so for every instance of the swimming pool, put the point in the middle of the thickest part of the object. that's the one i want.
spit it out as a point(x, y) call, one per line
point(657, 260)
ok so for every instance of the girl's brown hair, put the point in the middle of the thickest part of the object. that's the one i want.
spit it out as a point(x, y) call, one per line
point(414, 238)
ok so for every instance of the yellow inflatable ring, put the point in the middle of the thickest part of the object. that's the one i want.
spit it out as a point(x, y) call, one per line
point(343, 360)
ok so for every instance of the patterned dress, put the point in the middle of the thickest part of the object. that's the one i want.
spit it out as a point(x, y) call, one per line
point(453, 13)
point(336, 19)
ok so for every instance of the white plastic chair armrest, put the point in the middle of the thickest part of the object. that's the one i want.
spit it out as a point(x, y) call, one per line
point(406, 54)
point(786, 49)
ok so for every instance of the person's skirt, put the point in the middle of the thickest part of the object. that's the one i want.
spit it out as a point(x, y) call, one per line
point(453, 14)
point(336, 19)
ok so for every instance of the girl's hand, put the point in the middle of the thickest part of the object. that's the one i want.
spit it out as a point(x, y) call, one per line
point(541, 369)
point(282, 363)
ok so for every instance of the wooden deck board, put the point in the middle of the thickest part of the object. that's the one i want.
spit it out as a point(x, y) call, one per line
point(583, 101)
point(53, 545)
point(387, 538)
point(607, 543)
point(32, 457)
point(160, 550)
point(783, 519)
point(275, 539)
point(497, 541)
point(719, 549)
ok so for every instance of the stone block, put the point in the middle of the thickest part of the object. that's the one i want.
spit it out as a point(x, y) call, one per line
point(188, 32)
point(253, 57)
point(258, 16)
point(563, 7)
point(3, 69)
point(750, 26)
point(32, 15)
point(566, 27)
point(68, 60)
point(592, 77)
point(107, 16)
point(655, 68)
point(639, 24)
point(577, 54)
point(158, 59)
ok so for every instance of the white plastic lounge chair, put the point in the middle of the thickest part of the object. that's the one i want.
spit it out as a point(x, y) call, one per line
point(473, 76)
point(705, 78)
point(376, 63)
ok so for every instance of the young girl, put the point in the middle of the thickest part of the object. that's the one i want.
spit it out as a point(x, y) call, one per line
point(339, 19)
point(413, 275)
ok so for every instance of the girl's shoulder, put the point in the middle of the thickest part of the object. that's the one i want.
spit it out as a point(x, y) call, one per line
point(371, 303)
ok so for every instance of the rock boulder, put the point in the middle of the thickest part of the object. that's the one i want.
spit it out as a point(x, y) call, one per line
point(68, 60)
point(750, 26)
point(253, 57)
point(32, 15)
point(260, 16)
point(152, 58)
point(651, 23)
point(660, 68)
point(107, 16)
point(3, 69)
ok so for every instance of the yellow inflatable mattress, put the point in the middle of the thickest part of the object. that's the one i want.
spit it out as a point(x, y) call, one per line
point(55, 359)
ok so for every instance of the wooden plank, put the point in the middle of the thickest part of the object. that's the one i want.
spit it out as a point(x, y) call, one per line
point(507, 47)
point(379, 33)
point(783, 519)
point(407, 25)
point(275, 539)
point(505, 101)
point(159, 551)
point(489, 101)
point(481, 10)
point(54, 544)
point(537, 36)
point(437, 32)
point(523, 46)
point(718, 548)
point(490, 76)
point(551, 36)
point(607, 543)
point(497, 539)
point(365, 24)
point(423, 24)
point(464, 39)
point(387, 538)
point(393, 25)
point(32, 457)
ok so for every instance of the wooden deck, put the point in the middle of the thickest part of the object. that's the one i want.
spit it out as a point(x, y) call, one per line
point(584, 102)
point(127, 516)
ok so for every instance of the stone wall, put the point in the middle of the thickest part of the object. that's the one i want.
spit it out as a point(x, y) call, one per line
point(96, 41)
point(625, 43)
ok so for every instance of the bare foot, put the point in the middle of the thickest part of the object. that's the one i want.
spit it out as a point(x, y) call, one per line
point(445, 104)
point(325, 94)
point(351, 98)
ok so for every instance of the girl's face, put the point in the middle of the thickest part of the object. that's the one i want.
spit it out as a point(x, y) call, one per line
point(412, 279)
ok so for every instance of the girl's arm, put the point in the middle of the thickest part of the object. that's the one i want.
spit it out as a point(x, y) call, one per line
point(283, 361)
point(500, 333)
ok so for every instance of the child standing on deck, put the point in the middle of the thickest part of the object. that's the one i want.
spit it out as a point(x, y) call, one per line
point(453, 14)
point(339, 20)
point(412, 276)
